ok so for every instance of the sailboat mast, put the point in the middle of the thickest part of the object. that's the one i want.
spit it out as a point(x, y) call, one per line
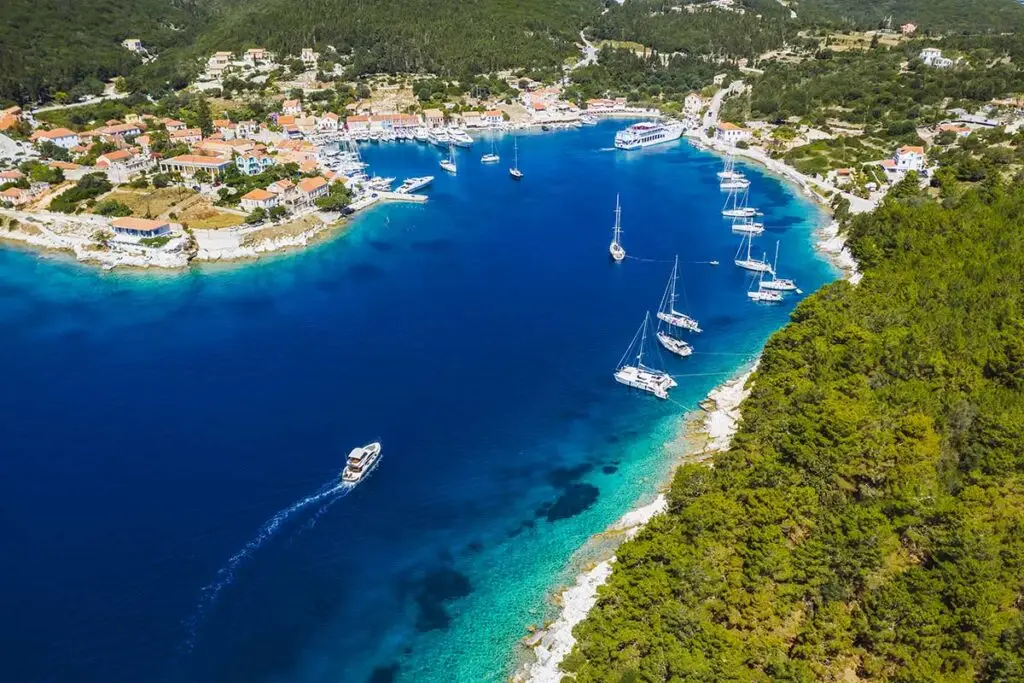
point(675, 276)
point(643, 340)
point(775, 265)
point(618, 219)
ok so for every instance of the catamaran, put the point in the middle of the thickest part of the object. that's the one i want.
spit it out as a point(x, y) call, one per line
point(615, 248)
point(360, 462)
point(449, 163)
point(636, 374)
point(738, 208)
point(749, 263)
point(514, 171)
point(667, 309)
point(747, 226)
point(763, 295)
point(779, 284)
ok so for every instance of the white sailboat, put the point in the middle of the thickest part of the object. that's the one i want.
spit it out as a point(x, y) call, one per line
point(633, 373)
point(779, 284)
point(749, 263)
point(514, 171)
point(449, 163)
point(667, 309)
point(615, 248)
point(738, 208)
point(747, 226)
point(492, 156)
point(762, 295)
point(729, 171)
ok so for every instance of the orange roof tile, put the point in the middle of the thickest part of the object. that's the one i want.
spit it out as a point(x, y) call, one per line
point(141, 224)
point(310, 185)
point(258, 195)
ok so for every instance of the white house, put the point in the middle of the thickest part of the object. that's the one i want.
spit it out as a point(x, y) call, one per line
point(693, 103)
point(308, 57)
point(910, 158)
point(132, 44)
point(218, 62)
point(932, 56)
point(310, 189)
point(291, 107)
point(62, 137)
point(328, 122)
point(493, 117)
point(254, 55)
point(247, 129)
point(258, 199)
point(730, 133)
point(358, 123)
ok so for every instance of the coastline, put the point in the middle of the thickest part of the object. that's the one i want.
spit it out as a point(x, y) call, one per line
point(704, 432)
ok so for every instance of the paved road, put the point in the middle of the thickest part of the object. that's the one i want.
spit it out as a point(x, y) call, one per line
point(711, 117)
point(91, 100)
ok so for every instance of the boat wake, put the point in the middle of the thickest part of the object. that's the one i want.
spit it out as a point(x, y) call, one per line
point(328, 494)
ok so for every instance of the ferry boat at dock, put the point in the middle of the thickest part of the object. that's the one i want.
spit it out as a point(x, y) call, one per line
point(647, 133)
point(360, 462)
point(412, 184)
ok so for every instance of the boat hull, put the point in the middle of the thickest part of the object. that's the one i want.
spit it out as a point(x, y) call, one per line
point(653, 383)
point(683, 322)
point(673, 345)
point(753, 266)
point(669, 133)
point(616, 252)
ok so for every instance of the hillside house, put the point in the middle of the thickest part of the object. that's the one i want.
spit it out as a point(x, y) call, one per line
point(62, 137)
point(253, 163)
point(291, 107)
point(328, 123)
point(309, 190)
point(730, 133)
point(190, 164)
point(139, 227)
point(259, 199)
point(132, 44)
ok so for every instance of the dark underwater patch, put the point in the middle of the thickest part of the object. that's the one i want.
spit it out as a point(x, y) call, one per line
point(364, 271)
point(438, 588)
point(434, 245)
point(609, 469)
point(381, 245)
point(384, 674)
point(563, 477)
point(574, 500)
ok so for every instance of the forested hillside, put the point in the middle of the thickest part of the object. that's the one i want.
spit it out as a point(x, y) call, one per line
point(868, 522)
point(933, 16)
point(72, 46)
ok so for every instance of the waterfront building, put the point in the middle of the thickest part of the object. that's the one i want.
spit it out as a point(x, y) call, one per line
point(328, 123)
point(730, 133)
point(259, 199)
point(190, 164)
point(139, 227)
point(434, 118)
point(309, 189)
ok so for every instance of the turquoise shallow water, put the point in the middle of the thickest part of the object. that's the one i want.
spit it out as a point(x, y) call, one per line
point(158, 425)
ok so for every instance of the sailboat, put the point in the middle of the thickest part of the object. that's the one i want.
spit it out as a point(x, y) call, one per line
point(779, 284)
point(615, 248)
point(730, 178)
point(749, 263)
point(514, 171)
point(747, 226)
point(633, 373)
point(762, 295)
point(739, 208)
point(449, 163)
point(667, 310)
point(491, 157)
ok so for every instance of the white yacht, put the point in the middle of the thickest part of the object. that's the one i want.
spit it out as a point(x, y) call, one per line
point(448, 163)
point(749, 263)
point(637, 375)
point(673, 344)
point(439, 137)
point(667, 312)
point(588, 120)
point(615, 249)
point(360, 462)
point(734, 184)
point(412, 184)
point(736, 207)
point(762, 295)
point(779, 284)
point(492, 156)
point(421, 135)
point(460, 137)
point(647, 133)
point(747, 226)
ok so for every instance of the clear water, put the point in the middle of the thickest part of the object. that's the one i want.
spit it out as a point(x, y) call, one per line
point(163, 432)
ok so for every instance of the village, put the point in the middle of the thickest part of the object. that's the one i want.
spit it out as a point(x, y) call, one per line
point(151, 190)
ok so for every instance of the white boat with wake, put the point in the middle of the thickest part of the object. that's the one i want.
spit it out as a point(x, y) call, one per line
point(647, 133)
point(615, 249)
point(749, 263)
point(736, 206)
point(779, 284)
point(667, 312)
point(360, 462)
point(412, 184)
point(639, 376)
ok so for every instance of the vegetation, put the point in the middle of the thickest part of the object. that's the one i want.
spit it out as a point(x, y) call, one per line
point(866, 523)
point(931, 16)
point(112, 207)
point(337, 198)
point(155, 242)
point(88, 187)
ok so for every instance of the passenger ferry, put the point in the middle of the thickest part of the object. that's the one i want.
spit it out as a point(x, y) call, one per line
point(647, 133)
point(359, 463)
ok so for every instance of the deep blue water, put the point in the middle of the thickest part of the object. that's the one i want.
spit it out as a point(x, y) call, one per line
point(152, 424)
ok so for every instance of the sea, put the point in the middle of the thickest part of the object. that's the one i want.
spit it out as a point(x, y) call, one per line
point(172, 441)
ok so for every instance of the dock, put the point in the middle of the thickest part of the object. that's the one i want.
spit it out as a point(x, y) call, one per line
point(402, 197)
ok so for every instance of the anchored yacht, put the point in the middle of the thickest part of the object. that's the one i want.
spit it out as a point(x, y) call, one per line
point(636, 374)
point(615, 249)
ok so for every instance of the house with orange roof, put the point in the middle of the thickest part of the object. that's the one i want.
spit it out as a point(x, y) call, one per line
point(16, 196)
point(247, 129)
point(259, 199)
point(11, 111)
point(293, 107)
point(254, 55)
point(493, 117)
point(189, 136)
point(282, 188)
point(122, 130)
point(960, 130)
point(8, 122)
point(285, 120)
point(357, 123)
point(11, 176)
point(910, 158)
point(309, 189)
point(120, 156)
point(173, 124)
point(62, 137)
point(730, 133)
point(139, 227)
point(64, 165)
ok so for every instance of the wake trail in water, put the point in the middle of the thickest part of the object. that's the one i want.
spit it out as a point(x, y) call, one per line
point(330, 492)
